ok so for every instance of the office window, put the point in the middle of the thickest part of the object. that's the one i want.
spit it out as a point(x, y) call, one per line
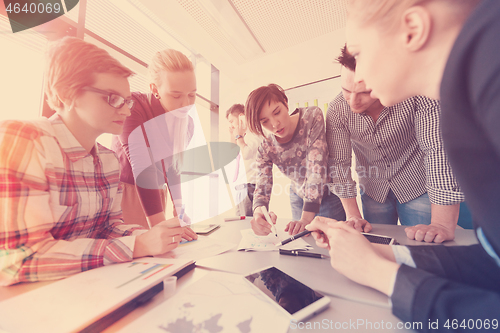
point(131, 34)
point(314, 94)
point(129, 26)
point(22, 72)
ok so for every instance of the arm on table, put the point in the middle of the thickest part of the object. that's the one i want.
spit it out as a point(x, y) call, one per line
point(159, 218)
point(263, 189)
point(420, 296)
point(29, 252)
point(442, 228)
point(353, 215)
point(316, 158)
point(444, 192)
point(339, 162)
point(160, 239)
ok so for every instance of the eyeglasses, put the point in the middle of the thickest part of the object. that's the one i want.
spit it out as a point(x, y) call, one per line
point(114, 100)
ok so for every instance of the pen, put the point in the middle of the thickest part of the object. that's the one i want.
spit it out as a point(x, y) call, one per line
point(288, 240)
point(268, 219)
point(234, 218)
point(302, 254)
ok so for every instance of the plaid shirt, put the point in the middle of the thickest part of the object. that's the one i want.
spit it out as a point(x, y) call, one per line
point(403, 152)
point(59, 205)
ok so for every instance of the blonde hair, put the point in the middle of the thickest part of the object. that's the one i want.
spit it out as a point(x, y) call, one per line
point(171, 60)
point(71, 63)
point(387, 13)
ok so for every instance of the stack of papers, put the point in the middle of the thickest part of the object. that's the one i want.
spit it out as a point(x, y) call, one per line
point(251, 242)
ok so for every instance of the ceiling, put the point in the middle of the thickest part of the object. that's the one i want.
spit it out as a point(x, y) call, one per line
point(259, 41)
point(274, 24)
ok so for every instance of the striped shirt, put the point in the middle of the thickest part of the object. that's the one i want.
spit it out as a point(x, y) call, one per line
point(59, 205)
point(403, 152)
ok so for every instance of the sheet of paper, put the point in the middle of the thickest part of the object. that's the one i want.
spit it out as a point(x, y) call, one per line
point(218, 302)
point(73, 303)
point(203, 247)
point(251, 242)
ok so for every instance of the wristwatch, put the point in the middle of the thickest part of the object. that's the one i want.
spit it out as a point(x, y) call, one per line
point(238, 136)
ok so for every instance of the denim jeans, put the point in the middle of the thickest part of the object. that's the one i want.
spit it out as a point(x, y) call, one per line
point(244, 199)
point(416, 211)
point(331, 206)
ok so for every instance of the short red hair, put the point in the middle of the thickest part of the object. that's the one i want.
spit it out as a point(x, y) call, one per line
point(71, 66)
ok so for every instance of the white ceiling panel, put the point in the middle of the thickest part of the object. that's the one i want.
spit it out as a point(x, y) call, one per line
point(279, 24)
point(273, 25)
point(254, 42)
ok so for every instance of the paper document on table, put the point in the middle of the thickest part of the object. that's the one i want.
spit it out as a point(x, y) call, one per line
point(218, 302)
point(251, 242)
point(203, 247)
point(76, 302)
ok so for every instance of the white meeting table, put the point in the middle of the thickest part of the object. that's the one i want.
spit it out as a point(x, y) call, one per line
point(353, 307)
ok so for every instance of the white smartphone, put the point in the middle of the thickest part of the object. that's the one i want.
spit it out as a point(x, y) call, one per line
point(293, 297)
point(202, 229)
point(379, 239)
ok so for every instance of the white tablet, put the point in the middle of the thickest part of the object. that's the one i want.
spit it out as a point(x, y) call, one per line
point(293, 297)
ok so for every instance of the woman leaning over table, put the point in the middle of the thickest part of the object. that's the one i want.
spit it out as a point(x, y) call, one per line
point(59, 189)
point(296, 144)
point(159, 128)
point(445, 49)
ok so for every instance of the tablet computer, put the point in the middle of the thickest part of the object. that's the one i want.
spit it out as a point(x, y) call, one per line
point(293, 297)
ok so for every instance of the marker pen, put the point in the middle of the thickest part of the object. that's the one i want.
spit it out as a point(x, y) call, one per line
point(234, 218)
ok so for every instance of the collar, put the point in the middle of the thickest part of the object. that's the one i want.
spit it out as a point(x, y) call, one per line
point(384, 110)
point(67, 141)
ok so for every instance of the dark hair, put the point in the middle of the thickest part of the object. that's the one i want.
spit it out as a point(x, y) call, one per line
point(346, 59)
point(235, 110)
point(256, 101)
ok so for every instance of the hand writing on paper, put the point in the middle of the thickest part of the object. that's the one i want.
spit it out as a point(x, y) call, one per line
point(259, 224)
point(158, 240)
